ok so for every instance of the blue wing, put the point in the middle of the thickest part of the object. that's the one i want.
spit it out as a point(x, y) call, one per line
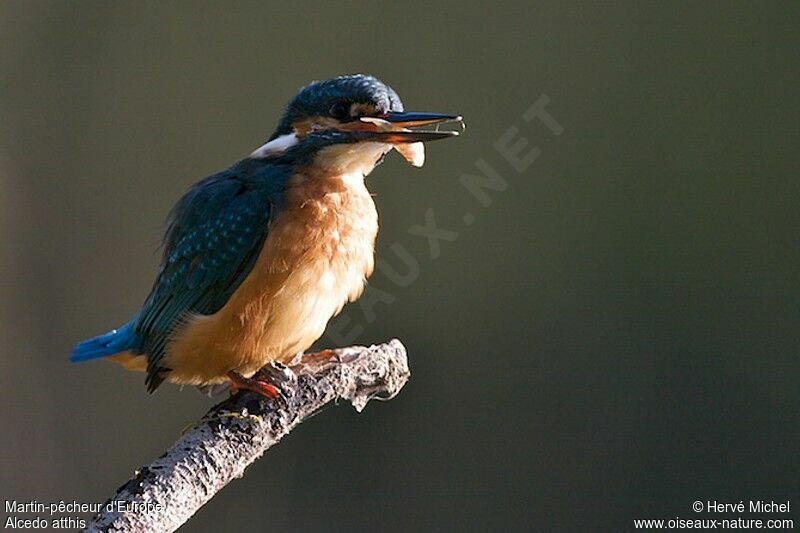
point(214, 235)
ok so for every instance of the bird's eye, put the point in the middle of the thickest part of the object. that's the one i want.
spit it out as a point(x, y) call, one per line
point(340, 110)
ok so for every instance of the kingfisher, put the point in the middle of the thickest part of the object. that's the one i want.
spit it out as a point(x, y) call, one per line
point(259, 257)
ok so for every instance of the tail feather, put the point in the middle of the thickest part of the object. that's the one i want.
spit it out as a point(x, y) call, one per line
point(115, 341)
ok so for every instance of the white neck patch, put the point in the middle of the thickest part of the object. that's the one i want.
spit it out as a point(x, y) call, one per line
point(352, 160)
point(276, 146)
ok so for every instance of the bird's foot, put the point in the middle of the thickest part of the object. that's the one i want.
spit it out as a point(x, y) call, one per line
point(315, 361)
point(257, 385)
point(320, 357)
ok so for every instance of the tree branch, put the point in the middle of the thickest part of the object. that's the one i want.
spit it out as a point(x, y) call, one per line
point(233, 434)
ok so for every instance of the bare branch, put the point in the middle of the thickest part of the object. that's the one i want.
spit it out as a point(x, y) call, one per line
point(166, 493)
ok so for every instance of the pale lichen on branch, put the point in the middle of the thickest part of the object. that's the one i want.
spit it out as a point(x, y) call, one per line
point(166, 493)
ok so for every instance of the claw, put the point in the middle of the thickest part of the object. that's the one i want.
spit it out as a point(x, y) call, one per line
point(259, 386)
point(319, 357)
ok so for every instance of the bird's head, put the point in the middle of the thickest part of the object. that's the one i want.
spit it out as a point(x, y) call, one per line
point(351, 121)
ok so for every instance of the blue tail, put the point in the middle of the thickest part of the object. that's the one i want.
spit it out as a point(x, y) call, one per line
point(115, 341)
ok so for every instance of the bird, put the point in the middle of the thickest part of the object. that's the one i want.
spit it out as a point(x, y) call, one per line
point(259, 257)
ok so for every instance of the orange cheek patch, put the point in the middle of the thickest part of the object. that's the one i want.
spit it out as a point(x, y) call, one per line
point(304, 127)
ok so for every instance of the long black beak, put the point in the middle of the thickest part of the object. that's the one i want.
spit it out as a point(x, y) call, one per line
point(387, 121)
point(411, 120)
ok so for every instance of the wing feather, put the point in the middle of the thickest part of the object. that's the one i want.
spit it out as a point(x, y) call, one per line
point(214, 234)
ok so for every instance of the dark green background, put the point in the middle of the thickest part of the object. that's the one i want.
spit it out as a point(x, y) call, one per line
point(614, 337)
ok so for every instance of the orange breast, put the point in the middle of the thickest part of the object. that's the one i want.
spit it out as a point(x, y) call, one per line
point(317, 255)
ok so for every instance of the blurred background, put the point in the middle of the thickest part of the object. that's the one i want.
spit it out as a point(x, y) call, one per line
point(612, 337)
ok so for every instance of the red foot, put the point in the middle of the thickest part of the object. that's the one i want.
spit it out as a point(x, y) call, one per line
point(319, 357)
point(260, 386)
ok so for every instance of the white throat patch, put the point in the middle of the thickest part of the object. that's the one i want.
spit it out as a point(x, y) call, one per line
point(276, 146)
point(354, 160)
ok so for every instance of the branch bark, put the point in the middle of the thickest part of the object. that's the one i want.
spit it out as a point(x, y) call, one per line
point(166, 493)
